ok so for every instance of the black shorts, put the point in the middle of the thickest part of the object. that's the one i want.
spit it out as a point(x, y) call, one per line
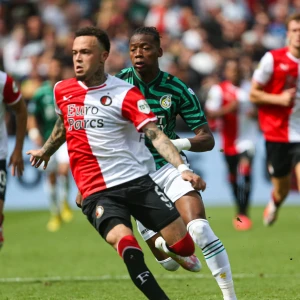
point(282, 157)
point(3, 178)
point(232, 161)
point(141, 198)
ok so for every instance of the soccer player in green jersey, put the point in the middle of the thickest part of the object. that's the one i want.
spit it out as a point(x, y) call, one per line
point(42, 118)
point(168, 97)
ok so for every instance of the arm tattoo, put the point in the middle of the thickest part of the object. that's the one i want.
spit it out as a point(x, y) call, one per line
point(56, 139)
point(164, 146)
point(151, 134)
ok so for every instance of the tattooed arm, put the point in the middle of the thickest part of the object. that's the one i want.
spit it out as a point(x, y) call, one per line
point(56, 139)
point(162, 144)
point(169, 152)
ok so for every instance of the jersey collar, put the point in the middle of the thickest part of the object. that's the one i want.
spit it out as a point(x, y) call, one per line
point(158, 77)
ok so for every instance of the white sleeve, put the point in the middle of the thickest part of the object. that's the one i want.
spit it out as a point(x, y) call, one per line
point(264, 69)
point(214, 98)
point(57, 109)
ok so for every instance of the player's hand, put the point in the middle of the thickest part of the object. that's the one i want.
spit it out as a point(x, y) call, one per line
point(79, 199)
point(16, 162)
point(197, 182)
point(37, 157)
point(287, 97)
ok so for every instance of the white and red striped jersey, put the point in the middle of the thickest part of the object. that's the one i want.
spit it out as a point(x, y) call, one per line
point(238, 130)
point(9, 95)
point(279, 70)
point(102, 125)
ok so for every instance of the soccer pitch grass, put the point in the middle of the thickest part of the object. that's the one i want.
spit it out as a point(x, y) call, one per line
point(75, 263)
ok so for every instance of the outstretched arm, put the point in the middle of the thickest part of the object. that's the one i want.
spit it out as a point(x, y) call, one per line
point(16, 158)
point(56, 139)
point(169, 152)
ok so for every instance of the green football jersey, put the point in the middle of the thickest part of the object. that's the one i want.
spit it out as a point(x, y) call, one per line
point(167, 97)
point(42, 107)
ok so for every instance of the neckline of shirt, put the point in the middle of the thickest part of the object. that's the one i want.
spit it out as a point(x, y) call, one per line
point(151, 82)
point(89, 88)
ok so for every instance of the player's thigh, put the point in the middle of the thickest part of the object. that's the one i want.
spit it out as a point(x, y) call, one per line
point(149, 204)
point(62, 158)
point(3, 179)
point(191, 207)
point(296, 162)
point(105, 211)
point(279, 160)
point(232, 163)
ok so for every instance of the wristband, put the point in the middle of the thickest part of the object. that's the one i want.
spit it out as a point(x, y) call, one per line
point(182, 144)
point(33, 133)
point(181, 168)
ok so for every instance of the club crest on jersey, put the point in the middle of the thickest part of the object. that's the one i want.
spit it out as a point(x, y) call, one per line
point(106, 100)
point(143, 106)
point(99, 211)
point(15, 87)
point(166, 101)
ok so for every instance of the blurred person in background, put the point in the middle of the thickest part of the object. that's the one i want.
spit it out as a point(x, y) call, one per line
point(11, 96)
point(275, 89)
point(42, 118)
point(228, 101)
point(168, 97)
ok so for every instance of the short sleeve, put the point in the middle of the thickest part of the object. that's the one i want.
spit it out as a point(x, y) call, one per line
point(214, 98)
point(56, 97)
point(264, 70)
point(11, 92)
point(136, 109)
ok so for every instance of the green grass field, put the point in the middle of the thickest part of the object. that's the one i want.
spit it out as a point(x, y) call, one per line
point(75, 263)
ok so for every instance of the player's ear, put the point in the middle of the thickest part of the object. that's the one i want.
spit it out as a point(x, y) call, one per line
point(104, 56)
point(160, 52)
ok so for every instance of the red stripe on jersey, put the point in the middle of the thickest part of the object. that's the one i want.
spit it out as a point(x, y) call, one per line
point(83, 163)
point(136, 109)
point(229, 131)
point(11, 92)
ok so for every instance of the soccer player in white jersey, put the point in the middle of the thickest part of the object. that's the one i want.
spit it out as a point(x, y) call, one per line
point(99, 117)
point(229, 103)
point(10, 96)
point(276, 91)
point(169, 97)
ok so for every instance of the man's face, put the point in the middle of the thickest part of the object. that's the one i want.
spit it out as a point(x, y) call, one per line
point(88, 57)
point(144, 52)
point(232, 72)
point(293, 34)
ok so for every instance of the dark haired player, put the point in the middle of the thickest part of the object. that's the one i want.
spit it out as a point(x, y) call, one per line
point(168, 97)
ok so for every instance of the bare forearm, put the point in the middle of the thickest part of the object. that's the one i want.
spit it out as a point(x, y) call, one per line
point(261, 97)
point(202, 143)
point(56, 139)
point(21, 120)
point(164, 146)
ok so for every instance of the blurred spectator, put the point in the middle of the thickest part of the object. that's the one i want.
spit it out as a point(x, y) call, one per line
point(197, 35)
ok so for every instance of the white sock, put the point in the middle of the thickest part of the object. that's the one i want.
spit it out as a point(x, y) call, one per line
point(64, 187)
point(214, 254)
point(169, 264)
point(54, 208)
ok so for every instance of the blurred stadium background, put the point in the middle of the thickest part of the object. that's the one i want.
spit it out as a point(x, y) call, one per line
point(197, 37)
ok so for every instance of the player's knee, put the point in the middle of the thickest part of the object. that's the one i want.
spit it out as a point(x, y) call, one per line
point(232, 178)
point(245, 169)
point(169, 264)
point(201, 232)
point(184, 247)
point(127, 242)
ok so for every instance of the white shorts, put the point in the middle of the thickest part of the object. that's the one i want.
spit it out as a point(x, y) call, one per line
point(171, 182)
point(61, 156)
